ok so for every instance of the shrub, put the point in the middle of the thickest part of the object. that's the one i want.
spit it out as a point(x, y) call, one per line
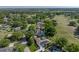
point(4, 42)
point(19, 47)
point(61, 41)
point(72, 48)
point(54, 22)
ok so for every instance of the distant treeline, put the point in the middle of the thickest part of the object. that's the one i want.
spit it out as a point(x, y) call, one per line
point(38, 9)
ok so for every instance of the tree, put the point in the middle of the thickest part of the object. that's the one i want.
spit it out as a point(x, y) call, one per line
point(17, 21)
point(72, 23)
point(77, 30)
point(49, 28)
point(54, 22)
point(72, 48)
point(48, 23)
point(29, 36)
point(31, 21)
point(40, 16)
point(77, 21)
point(50, 31)
point(16, 36)
point(16, 24)
point(61, 41)
point(24, 24)
point(32, 28)
point(30, 41)
point(1, 21)
point(50, 15)
point(76, 16)
point(19, 47)
point(4, 42)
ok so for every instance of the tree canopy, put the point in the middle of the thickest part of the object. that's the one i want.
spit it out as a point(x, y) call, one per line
point(72, 48)
point(4, 42)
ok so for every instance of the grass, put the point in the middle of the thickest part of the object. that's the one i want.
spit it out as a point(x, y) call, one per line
point(63, 30)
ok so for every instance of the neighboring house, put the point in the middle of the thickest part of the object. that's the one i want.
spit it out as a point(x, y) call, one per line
point(17, 28)
point(5, 19)
point(9, 35)
point(4, 27)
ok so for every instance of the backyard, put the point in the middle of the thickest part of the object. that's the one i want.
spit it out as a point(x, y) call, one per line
point(63, 30)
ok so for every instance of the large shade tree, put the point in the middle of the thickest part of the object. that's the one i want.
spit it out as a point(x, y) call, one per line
point(29, 35)
point(49, 28)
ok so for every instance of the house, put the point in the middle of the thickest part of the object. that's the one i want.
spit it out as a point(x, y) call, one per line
point(5, 19)
point(4, 27)
point(44, 42)
point(17, 28)
point(39, 33)
point(9, 35)
point(37, 40)
point(40, 25)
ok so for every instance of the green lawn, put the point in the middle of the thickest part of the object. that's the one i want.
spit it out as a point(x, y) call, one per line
point(63, 30)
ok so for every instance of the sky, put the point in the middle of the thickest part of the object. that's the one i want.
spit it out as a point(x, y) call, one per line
point(38, 7)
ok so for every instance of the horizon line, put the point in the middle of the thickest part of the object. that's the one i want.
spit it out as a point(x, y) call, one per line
point(39, 6)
